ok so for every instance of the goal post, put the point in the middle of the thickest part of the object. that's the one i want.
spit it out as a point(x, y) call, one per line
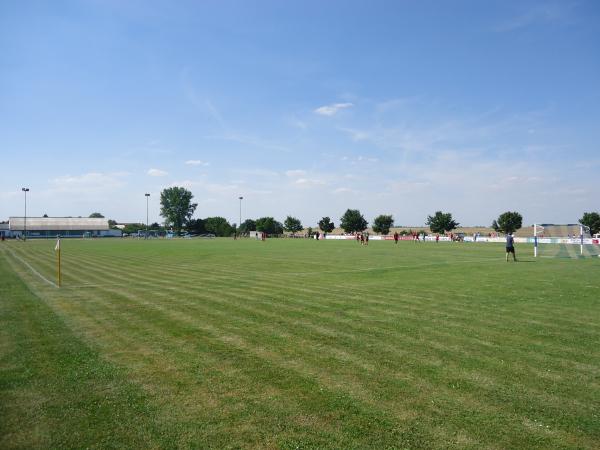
point(564, 241)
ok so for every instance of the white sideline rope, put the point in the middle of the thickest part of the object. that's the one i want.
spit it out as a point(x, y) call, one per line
point(31, 268)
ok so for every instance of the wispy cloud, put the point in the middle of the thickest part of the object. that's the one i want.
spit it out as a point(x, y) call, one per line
point(88, 182)
point(196, 162)
point(546, 13)
point(309, 182)
point(295, 173)
point(250, 140)
point(297, 123)
point(10, 194)
point(202, 104)
point(258, 173)
point(359, 159)
point(157, 173)
point(355, 135)
point(188, 184)
point(331, 110)
point(215, 113)
point(343, 190)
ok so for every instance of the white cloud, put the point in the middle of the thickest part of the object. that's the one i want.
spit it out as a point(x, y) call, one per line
point(157, 173)
point(331, 110)
point(196, 162)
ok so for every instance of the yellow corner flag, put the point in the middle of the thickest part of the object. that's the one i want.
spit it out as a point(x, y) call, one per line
point(57, 250)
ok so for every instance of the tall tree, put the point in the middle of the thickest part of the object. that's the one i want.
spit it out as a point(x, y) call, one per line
point(326, 225)
point(269, 225)
point(441, 222)
point(194, 226)
point(353, 221)
point(509, 222)
point(96, 215)
point(382, 224)
point(592, 221)
point(132, 228)
point(218, 226)
point(292, 225)
point(495, 226)
point(176, 206)
point(247, 226)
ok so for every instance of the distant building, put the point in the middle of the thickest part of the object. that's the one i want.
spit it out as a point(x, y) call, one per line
point(47, 227)
point(4, 230)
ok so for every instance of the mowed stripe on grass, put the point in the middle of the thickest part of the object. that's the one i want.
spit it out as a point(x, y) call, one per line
point(302, 343)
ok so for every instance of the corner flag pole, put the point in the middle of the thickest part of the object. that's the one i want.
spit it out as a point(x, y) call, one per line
point(57, 249)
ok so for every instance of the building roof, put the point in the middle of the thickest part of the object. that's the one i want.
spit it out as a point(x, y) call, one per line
point(58, 224)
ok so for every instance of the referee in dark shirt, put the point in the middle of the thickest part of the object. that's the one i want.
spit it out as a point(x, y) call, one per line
point(510, 246)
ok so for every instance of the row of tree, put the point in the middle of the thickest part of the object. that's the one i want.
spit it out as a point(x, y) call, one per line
point(177, 209)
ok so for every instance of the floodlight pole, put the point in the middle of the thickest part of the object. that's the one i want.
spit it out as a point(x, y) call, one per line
point(25, 190)
point(147, 196)
point(240, 223)
point(535, 240)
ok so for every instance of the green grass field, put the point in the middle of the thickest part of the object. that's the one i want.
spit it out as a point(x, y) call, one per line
point(297, 344)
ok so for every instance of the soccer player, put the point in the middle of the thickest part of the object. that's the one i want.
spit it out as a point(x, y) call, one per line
point(396, 237)
point(510, 247)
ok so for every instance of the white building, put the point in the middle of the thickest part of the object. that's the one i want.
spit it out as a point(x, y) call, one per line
point(46, 227)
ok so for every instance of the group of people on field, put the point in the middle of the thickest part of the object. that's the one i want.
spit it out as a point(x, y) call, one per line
point(416, 237)
point(362, 238)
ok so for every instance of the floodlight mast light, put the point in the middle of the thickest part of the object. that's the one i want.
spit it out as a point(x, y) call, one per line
point(147, 196)
point(25, 190)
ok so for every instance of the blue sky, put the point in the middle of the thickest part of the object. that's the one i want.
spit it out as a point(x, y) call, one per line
point(304, 108)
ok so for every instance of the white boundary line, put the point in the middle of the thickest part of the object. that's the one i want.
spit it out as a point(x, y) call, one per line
point(32, 269)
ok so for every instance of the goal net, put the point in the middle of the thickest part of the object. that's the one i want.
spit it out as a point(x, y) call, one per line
point(564, 241)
